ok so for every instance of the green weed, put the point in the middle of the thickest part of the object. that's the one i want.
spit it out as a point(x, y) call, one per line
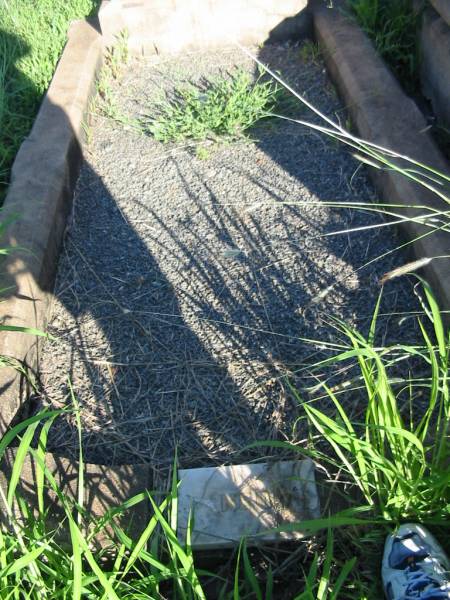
point(117, 56)
point(323, 580)
point(33, 564)
point(202, 152)
point(105, 103)
point(36, 563)
point(309, 52)
point(389, 463)
point(221, 107)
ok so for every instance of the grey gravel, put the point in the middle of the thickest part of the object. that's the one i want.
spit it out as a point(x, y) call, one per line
point(187, 287)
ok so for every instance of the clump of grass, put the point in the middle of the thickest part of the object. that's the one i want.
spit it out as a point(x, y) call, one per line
point(34, 563)
point(390, 462)
point(116, 57)
point(309, 51)
point(324, 579)
point(32, 37)
point(397, 456)
point(392, 26)
point(221, 107)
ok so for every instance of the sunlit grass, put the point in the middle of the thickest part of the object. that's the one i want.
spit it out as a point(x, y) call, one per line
point(398, 452)
point(226, 106)
point(32, 37)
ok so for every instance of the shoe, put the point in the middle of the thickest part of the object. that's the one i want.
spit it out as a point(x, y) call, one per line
point(415, 566)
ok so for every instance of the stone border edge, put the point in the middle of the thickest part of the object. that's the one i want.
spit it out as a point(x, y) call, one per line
point(362, 79)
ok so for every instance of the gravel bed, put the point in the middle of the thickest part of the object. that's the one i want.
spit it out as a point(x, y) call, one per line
point(187, 288)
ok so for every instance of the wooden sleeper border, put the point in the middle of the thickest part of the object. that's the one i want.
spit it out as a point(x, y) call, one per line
point(385, 115)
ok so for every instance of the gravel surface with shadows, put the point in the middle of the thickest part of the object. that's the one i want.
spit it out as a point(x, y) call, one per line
point(191, 292)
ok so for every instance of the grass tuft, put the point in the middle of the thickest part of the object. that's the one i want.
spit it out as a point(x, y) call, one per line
point(397, 454)
point(392, 25)
point(221, 107)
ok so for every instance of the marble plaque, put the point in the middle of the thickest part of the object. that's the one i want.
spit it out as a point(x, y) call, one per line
point(228, 503)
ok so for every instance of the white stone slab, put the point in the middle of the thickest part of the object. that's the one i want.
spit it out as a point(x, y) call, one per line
point(228, 503)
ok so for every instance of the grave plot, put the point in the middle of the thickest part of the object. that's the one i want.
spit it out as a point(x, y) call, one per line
point(198, 280)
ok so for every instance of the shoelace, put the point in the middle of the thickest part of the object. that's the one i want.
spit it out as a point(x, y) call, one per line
point(418, 581)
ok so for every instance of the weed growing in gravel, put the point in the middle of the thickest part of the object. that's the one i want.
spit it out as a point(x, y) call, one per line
point(398, 455)
point(387, 461)
point(309, 52)
point(202, 152)
point(221, 107)
point(117, 56)
point(115, 59)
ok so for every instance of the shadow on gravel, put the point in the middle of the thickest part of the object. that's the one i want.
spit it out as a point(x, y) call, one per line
point(329, 173)
point(186, 297)
point(144, 372)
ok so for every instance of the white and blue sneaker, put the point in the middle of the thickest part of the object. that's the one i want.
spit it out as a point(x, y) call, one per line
point(415, 566)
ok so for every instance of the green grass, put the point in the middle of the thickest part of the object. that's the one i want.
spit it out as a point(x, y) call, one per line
point(32, 36)
point(36, 563)
point(392, 25)
point(385, 448)
point(224, 107)
point(391, 460)
point(397, 453)
point(309, 51)
point(105, 103)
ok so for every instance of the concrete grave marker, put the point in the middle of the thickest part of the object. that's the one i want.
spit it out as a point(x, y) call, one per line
point(230, 502)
